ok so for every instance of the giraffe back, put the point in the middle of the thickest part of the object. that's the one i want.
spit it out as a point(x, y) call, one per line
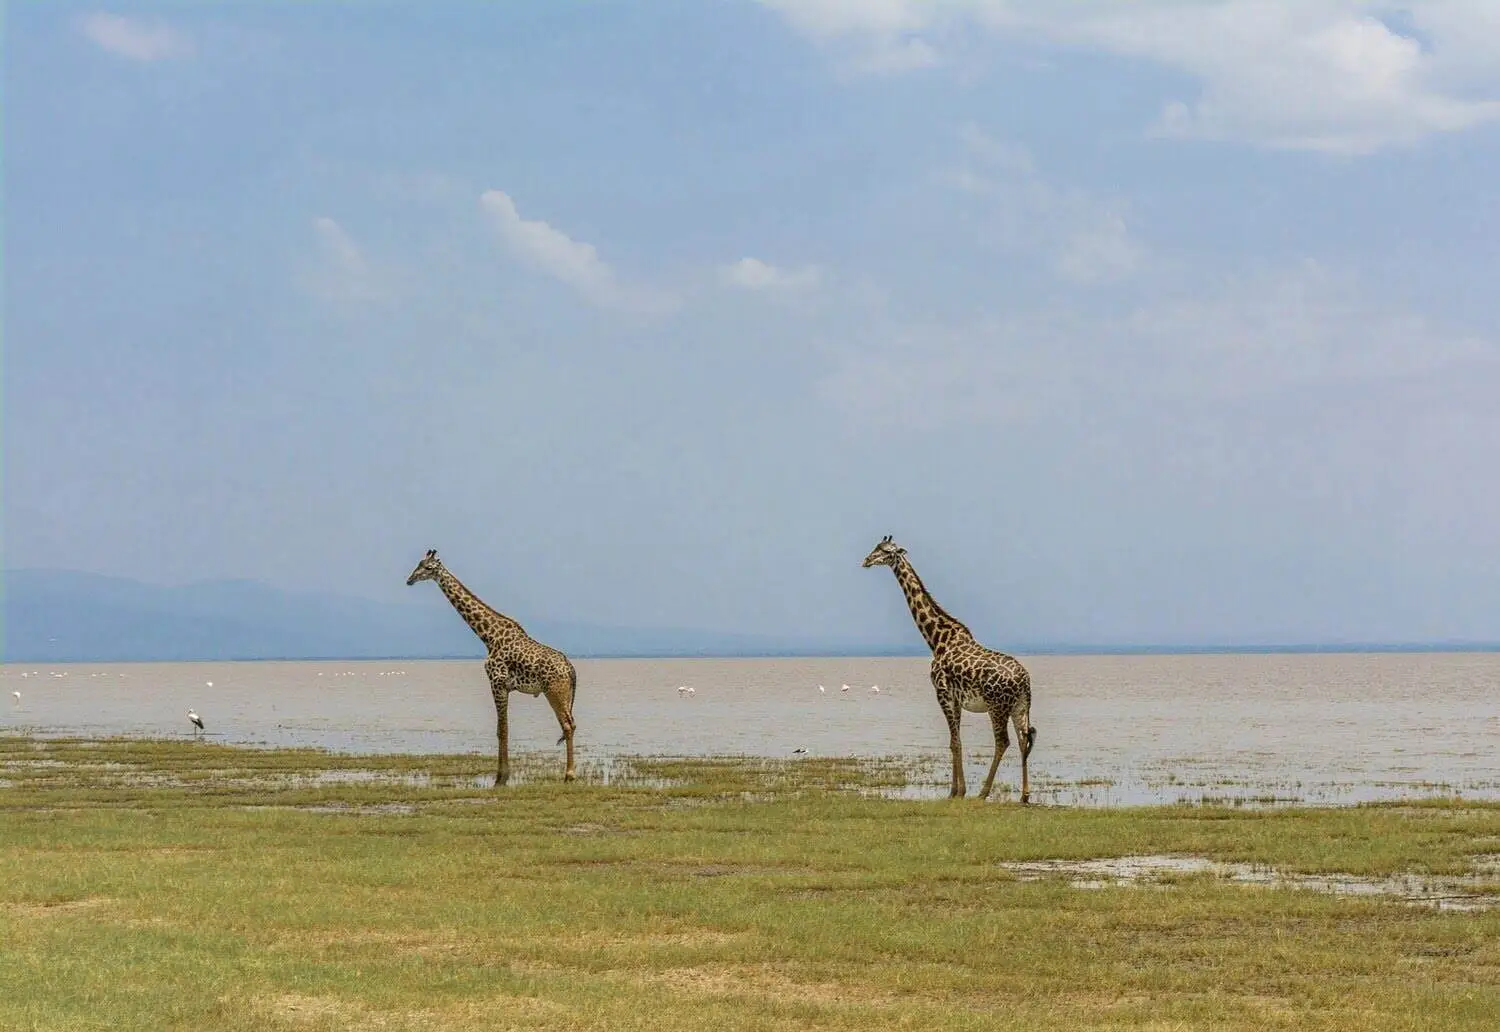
point(531, 666)
point(984, 680)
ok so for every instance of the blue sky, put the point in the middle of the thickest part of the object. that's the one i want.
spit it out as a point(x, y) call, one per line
point(1134, 323)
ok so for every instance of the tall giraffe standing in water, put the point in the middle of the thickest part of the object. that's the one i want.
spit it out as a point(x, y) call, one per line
point(517, 662)
point(966, 675)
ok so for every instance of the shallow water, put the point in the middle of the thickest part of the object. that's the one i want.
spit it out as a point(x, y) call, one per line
point(1467, 892)
point(1250, 729)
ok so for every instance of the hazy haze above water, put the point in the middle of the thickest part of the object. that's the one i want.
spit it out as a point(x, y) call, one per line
point(1112, 729)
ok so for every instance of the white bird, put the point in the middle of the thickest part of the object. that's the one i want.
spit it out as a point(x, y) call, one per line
point(844, 690)
point(16, 696)
point(209, 683)
point(874, 689)
point(683, 689)
point(799, 752)
point(196, 720)
point(821, 689)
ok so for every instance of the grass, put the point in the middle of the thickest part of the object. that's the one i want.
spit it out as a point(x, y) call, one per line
point(182, 885)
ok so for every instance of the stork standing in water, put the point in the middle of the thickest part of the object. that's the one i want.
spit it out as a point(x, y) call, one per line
point(16, 696)
point(196, 721)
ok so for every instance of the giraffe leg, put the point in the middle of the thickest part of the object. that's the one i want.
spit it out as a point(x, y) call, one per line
point(958, 787)
point(560, 696)
point(1026, 734)
point(1002, 741)
point(502, 720)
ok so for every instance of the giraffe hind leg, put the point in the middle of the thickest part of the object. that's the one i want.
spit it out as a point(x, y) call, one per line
point(1026, 732)
point(561, 698)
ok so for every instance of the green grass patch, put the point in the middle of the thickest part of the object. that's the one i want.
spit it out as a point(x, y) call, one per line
point(188, 885)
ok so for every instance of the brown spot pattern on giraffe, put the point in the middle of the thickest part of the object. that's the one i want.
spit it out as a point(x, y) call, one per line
point(516, 662)
point(965, 674)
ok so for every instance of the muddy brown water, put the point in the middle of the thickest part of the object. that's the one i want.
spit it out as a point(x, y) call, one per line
point(1251, 729)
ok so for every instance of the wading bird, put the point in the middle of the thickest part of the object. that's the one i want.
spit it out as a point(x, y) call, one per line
point(197, 721)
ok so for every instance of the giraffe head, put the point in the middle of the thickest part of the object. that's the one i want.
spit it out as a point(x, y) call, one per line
point(428, 569)
point(884, 554)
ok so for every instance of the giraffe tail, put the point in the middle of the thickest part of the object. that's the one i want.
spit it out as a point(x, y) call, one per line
point(1030, 737)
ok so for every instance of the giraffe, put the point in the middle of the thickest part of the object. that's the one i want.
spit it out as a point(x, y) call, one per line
point(966, 675)
point(516, 662)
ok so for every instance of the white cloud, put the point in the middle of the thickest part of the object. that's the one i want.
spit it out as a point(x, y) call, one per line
point(340, 272)
point(1100, 253)
point(886, 33)
point(573, 262)
point(1302, 330)
point(134, 39)
point(1084, 239)
point(754, 274)
point(1305, 326)
point(1320, 75)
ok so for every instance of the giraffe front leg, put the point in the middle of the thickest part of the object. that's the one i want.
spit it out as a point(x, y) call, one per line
point(502, 735)
point(957, 787)
point(956, 750)
point(1002, 741)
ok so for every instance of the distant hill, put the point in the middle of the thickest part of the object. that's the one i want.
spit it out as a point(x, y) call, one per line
point(66, 616)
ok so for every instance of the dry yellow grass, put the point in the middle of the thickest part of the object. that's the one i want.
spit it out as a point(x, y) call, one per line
point(189, 886)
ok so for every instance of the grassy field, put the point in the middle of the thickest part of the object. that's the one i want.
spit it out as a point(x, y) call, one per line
point(184, 885)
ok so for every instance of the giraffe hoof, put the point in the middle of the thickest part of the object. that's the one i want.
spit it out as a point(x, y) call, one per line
point(570, 776)
point(1025, 799)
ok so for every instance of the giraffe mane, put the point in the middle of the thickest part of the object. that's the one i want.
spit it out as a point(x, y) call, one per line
point(483, 604)
point(937, 607)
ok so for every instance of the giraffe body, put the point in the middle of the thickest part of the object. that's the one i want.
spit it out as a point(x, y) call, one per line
point(516, 662)
point(966, 675)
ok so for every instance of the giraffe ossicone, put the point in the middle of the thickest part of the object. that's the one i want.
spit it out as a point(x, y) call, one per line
point(516, 661)
point(965, 674)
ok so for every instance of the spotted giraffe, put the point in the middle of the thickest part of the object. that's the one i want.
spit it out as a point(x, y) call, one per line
point(966, 675)
point(516, 662)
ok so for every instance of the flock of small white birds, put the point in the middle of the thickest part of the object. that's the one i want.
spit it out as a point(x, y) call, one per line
point(686, 690)
point(683, 690)
point(365, 673)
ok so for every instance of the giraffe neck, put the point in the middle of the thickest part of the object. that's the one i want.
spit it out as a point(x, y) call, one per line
point(490, 625)
point(935, 623)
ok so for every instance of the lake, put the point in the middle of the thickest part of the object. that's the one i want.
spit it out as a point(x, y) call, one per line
point(1256, 729)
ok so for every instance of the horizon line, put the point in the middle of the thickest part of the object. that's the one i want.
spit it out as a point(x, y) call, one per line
point(1302, 648)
